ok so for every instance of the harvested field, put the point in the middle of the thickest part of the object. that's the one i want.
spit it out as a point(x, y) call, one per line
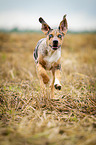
point(28, 117)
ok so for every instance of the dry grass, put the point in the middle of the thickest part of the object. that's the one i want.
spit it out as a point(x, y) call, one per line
point(28, 117)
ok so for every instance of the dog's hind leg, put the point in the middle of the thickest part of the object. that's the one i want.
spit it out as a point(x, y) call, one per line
point(42, 75)
point(52, 84)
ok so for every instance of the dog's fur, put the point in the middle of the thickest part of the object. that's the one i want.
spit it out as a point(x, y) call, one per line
point(47, 54)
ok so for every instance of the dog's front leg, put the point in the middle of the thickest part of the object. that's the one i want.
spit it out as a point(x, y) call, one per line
point(57, 84)
point(42, 75)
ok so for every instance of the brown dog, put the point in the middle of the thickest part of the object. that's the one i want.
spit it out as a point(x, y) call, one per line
point(47, 54)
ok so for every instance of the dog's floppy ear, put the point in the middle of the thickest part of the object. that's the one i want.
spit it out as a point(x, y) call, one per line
point(63, 25)
point(45, 27)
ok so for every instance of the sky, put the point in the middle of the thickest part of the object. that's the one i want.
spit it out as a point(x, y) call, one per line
point(24, 14)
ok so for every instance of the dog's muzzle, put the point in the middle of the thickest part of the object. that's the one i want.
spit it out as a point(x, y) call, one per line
point(55, 45)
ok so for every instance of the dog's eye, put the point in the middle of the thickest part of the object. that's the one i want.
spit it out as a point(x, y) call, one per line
point(59, 36)
point(50, 36)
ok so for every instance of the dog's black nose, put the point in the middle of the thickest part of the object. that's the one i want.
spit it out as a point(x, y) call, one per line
point(55, 43)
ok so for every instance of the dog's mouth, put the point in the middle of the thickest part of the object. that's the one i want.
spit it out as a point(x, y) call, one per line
point(55, 47)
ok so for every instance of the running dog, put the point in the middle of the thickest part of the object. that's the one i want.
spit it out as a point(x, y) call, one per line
point(47, 54)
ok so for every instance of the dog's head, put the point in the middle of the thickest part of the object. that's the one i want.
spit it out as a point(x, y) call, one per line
point(54, 37)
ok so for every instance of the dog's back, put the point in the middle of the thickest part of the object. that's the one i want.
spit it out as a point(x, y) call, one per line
point(35, 54)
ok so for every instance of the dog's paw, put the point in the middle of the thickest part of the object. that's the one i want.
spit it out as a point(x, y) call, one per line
point(57, 84)
point(58, 87)
point(46, 80)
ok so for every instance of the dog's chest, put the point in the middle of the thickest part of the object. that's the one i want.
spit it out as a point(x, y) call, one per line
point(52, 57)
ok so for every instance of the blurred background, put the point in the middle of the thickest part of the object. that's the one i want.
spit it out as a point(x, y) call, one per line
point(24, 14)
